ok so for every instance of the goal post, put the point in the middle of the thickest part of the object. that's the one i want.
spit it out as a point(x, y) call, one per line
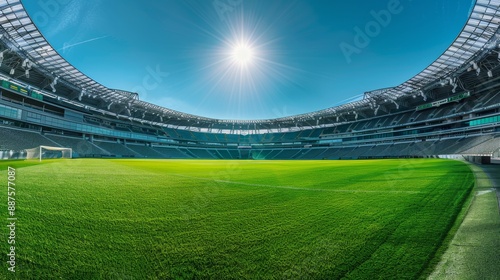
point(45, 152)
point(496, 154)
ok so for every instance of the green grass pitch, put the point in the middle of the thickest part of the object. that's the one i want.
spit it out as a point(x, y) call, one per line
point(195, 219)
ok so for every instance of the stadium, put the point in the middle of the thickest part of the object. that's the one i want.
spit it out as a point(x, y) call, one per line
point(108, 186)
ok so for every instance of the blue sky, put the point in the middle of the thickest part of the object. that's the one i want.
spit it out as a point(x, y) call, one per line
point(305, 55)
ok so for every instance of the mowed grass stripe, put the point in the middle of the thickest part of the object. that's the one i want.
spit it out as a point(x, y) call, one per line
point(157, 219)
point(281, 187)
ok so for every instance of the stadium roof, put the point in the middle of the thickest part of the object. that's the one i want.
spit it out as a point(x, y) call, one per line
point(20, 35)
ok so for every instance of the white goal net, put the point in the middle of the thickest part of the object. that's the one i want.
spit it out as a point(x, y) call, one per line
point(46, 152)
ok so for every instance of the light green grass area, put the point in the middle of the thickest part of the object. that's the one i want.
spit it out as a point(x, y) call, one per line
point(194, 219)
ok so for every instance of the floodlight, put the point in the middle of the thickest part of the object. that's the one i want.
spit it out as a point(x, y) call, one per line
point(451, 80)
point(81, 94)
point(476, 67)
point(423, 94)
point(53, 84)
point(1, 55)
point(395, 103)
point(27, 67)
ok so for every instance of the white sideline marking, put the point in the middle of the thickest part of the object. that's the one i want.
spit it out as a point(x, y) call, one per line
point(479, 193)
point(289, 187)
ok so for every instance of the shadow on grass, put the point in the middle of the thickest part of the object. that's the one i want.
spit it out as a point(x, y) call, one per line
point(20, 163)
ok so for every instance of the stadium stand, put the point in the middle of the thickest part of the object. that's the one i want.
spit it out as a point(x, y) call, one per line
point(234, 153)
point(17, 139)
point(486, 147)
point(452, 107)
point(80, 146)
point(288, 154)
point(224, 154)
point(114, 149)
point(144, 151)
point(170, 152)
point(312, 153)
point(201, 153)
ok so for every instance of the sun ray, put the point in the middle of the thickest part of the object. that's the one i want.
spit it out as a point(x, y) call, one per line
point(243, 64)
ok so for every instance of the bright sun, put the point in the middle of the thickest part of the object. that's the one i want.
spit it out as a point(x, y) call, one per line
point(242, 54)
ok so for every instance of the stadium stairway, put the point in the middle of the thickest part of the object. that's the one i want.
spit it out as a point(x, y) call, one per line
point(170, 152)
point(144, 151)
point(54, 142)
point(187, 153)
point(216, 154)
point(314, 153)
point(115, 149)
point(80, 146)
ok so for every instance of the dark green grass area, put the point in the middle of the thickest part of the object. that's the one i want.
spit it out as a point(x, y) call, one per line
point(194, 219)
point(5, 164)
